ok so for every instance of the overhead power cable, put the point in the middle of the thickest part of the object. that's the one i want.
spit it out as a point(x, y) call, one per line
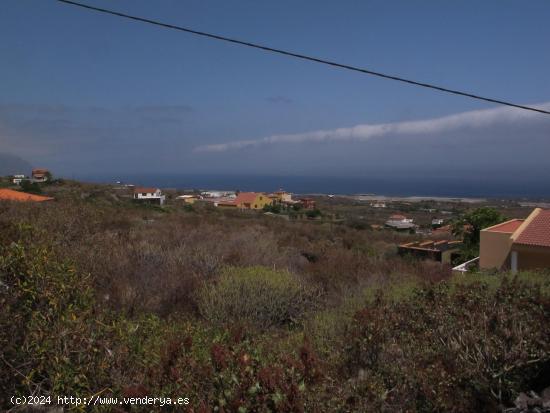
point(303, 57)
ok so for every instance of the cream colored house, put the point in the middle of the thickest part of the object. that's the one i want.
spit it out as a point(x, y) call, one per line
point(281, 196)
point(518, 244)
point(188, 199)
point(40, 175)
point(400, 222)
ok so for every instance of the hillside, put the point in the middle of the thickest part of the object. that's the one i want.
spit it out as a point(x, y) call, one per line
point(243, 312)
point(11, 164)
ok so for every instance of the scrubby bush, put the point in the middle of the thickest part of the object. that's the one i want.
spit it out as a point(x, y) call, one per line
point(450, 348)
point(257, 295)
point(238, 378)
point(55, 340)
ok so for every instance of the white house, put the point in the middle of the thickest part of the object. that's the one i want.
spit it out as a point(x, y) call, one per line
point(378, 204)
point(400, 222)
point(40, 175)
point(150, 195)
point(437, 222)
point(218, 194)
point(17, 179)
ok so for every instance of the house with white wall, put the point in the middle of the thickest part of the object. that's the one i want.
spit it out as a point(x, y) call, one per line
point(149, 195)
point(400, 223)
point(40, 175)
point(17, 179)
point(378, 204)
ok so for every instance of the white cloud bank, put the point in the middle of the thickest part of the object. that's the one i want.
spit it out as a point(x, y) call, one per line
point(365, 132)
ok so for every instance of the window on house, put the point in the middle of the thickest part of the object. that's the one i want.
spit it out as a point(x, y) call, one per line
point(144, 194)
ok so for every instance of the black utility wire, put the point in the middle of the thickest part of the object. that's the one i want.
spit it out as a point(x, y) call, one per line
point(304, 57)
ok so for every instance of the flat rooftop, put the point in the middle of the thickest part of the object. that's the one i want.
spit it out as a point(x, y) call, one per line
point(430, 245)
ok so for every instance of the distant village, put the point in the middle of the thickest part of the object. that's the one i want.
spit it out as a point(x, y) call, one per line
point(513, 245)
point(228, 199)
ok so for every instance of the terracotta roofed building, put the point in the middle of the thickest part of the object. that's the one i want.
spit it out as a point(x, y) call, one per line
point(40, 175)
point(252, 200)
point(518, 244)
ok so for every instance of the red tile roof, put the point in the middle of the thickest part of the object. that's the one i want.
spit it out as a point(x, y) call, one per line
point(227, 203)
point(246, 198)
point(508, 226)
point(142, 190)
point(11, 195)
point(537, 231)
point(397, 217)
point(40, 171)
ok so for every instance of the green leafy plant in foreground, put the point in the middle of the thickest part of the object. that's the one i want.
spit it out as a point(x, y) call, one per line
point(258, 296)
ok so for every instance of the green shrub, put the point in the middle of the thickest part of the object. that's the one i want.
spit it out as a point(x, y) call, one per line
point(274, 208)
point(48, 340)
point(55, 341)
point(256, 295)
point(30, 187)
point(313, 213)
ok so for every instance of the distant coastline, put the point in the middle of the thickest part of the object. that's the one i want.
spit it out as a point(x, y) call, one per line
point(417, 198)
point(376, 187)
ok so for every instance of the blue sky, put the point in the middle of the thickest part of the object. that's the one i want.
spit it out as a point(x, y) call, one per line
point(82, 92)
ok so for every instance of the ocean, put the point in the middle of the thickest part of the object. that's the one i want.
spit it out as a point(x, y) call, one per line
point(431, 186)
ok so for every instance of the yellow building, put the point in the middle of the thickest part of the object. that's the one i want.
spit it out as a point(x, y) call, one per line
point(252, 200)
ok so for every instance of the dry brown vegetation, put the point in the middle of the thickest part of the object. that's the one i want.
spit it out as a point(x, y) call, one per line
point(142, 259)
point(245, 312)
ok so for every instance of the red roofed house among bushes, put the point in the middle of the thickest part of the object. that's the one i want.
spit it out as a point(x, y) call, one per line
point(400, 222)
point(40, 175)
point(307, 203)
point(149, 195)
point(518, 244)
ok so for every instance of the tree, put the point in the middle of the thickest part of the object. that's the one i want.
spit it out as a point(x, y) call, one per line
point(31, 187)
point(49, 176)
point(469, 226)
point(313, 213)
point(274, 208)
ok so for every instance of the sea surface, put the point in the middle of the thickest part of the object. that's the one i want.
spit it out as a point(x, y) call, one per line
point(431, 186)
